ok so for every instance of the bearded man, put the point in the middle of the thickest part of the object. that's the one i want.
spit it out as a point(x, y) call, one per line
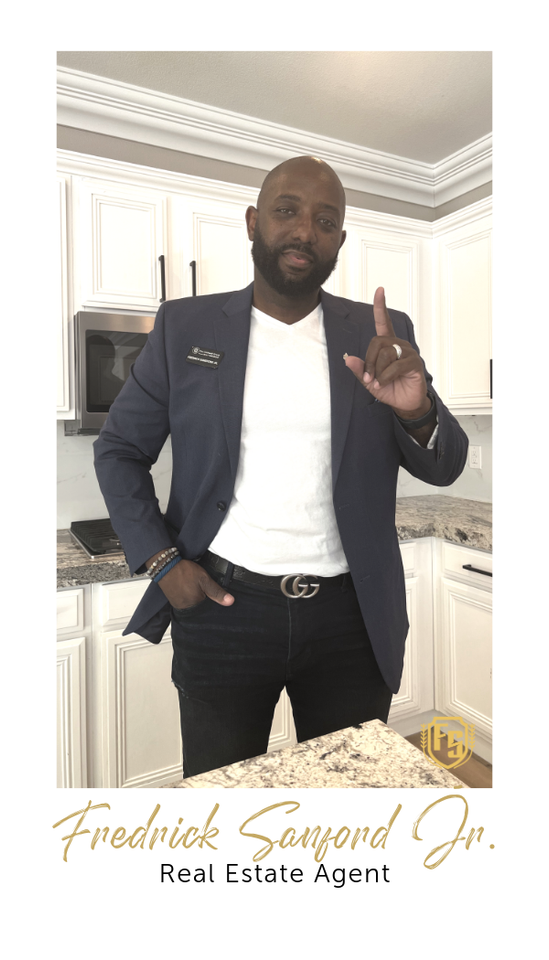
point(290, 412)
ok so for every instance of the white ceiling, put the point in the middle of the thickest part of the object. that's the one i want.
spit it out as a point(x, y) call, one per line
point(423, 106)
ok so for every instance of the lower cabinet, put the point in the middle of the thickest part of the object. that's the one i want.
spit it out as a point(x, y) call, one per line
point(463, 639)
point(135, 739)
point(117, 709)
point(71, 713)
point(416, 694)
point(118, 712)
point(72, 676)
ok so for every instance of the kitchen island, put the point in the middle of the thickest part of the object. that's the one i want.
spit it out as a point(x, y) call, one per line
point(370, 755)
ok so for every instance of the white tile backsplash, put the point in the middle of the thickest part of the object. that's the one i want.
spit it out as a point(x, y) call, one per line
point(472, 484)
point(79, 496)
point(78, 493)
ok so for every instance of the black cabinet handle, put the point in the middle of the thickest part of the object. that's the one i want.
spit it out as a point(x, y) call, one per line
point(162, 277)
point(193, 272)
point(490, 379)
point(467, 566)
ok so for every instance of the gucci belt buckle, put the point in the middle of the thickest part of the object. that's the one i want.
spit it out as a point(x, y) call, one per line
point(304, 585)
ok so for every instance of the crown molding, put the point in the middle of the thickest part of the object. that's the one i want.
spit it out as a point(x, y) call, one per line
point(117, 109)
point(461, 218)
point(73, 164)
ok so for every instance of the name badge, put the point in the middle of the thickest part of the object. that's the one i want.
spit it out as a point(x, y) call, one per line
point(205, 358)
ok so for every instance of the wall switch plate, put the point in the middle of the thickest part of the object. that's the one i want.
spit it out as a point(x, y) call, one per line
point(475, 459)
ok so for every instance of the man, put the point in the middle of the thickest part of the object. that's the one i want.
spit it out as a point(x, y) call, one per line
point(290, 412)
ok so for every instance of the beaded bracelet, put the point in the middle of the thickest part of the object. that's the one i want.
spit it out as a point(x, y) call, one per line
point(165, 562)
point(166, 569)
point(157, 565)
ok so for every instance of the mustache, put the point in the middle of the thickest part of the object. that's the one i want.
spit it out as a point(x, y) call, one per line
point(299, 248)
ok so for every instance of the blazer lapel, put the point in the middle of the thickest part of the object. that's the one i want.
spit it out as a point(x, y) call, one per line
point(342, 336)
point(232, 333)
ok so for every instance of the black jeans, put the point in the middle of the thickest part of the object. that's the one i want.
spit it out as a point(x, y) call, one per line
point(230, 665)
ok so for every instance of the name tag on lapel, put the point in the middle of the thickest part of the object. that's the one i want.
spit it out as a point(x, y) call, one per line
point(205, 358)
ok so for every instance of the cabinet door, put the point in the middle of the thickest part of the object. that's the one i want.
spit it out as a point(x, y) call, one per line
point(465, 317)
point(120, 235)
point(213, 233)
point(416, 692)
point(379, 259)
point(65, 405)
point(139, 711)
point(71, 713)
point(464, 674)
point(283, 729)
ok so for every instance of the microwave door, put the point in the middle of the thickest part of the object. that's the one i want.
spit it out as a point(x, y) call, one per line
point(109, 357)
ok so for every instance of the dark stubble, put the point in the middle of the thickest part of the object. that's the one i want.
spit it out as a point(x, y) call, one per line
point(266, 260)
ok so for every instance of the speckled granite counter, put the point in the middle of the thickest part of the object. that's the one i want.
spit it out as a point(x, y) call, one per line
point(74, 567)
point(371, 755)
point(466, 522)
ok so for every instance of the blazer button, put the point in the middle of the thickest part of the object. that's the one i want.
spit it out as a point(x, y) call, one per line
point(221, 505)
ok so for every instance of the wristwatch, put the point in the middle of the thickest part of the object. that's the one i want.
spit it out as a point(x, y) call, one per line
point(421, 421)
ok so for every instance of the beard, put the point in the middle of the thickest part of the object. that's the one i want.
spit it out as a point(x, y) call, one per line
point(266, 259)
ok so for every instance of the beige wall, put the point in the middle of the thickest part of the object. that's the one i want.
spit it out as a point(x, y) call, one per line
point(131, 151)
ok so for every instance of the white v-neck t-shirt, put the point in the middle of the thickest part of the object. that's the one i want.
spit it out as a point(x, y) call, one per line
point(281, 519)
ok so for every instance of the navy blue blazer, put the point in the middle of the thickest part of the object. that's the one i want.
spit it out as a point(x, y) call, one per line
point(201, 408)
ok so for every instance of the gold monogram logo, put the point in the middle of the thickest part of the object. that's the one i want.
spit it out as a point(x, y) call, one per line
point(460, 740)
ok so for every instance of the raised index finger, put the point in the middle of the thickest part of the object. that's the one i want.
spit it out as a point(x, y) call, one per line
point(384, 327)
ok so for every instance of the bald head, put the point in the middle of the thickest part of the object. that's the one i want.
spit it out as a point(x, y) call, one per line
point(310, 168)
point(297, 231)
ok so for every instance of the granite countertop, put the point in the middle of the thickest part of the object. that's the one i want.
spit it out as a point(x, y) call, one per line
point(467, 522)
point(371, 755)
point(75, 568)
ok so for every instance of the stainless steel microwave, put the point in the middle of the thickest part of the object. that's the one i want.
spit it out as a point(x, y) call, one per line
point(107, 344)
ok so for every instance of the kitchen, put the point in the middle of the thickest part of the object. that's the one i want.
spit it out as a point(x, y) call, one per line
point(418, 221)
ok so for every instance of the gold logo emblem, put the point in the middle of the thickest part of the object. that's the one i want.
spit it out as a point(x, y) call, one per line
point(447, 741)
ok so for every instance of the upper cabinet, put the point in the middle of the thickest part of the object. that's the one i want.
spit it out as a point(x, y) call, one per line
point(210, 234)
point(120, 233)
point(389, 252)
point(65, 405)
point(464, 315)
point(130, 237)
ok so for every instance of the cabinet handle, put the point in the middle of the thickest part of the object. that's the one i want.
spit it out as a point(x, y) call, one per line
point(467, 566)
point(490, 379)
point(193, 273)
point(162, 278)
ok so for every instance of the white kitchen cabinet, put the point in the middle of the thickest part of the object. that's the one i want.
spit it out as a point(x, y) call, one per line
point(137, 742)
point(134, 720)
point(283, 730)
point(123, 217)
point(117, 709)
point(120, 231)
point(213, 234)
point(72, 698)
point(71, 713)
point(381, 258)
point(416, 691)
point(65, 368)
point(463, 639)
point(464, 316)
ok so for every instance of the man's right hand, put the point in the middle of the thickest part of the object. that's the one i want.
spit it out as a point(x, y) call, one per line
point(187, 584)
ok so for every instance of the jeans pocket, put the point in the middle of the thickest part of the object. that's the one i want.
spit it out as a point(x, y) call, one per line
point(180, 613)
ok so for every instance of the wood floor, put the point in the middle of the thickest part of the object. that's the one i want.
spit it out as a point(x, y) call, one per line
point(475, 772)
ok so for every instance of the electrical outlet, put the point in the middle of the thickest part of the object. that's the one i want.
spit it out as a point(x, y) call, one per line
point(475, 459)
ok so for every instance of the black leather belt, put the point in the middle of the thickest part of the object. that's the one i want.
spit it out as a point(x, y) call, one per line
point(294, 585)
